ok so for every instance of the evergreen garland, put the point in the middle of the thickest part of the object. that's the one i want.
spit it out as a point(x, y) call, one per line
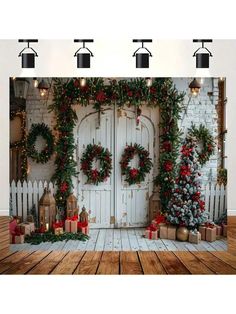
point(96, 152)
point(43, 130)
point(37, 238)
point(134, 92)
point(133, 175)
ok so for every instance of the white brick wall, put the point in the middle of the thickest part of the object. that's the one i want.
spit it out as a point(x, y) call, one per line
point(200, 109)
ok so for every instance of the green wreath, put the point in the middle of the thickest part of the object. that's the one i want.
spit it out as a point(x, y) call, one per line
point(96, 152)
point(203, 135)
point(43, 130)
point(135, 175)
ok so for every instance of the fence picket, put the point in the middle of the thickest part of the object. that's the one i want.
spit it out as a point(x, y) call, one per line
point(25, 196)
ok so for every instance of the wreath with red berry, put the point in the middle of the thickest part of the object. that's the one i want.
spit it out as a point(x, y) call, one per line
point(204, 137)
point(135, 175)
point(96, 152)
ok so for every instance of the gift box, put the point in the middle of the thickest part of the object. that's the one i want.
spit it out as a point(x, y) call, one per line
point(194, 237)
point(83, 227)
point(12, 225)
point(151, 233)
point(163, 231)
point(71, 225)
point(171, 233)
point(17, 238)
point(202, 230)
point(210, 234)
point(58, 231)
point(18, 219)
point(219, 231)
point(224, 226)
point(27, 228)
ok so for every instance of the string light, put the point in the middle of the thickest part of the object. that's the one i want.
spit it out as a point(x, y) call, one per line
point(148, 81)
point(36, 82)
point(82, 82)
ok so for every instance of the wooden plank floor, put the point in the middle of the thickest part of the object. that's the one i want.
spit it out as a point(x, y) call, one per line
point(123, 240)
point(115, 262)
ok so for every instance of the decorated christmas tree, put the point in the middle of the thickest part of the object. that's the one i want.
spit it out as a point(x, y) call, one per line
point(186, 208)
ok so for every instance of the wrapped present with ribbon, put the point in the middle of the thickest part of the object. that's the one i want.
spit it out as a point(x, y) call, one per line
point(83, 227)
point(224, 226)
point(219, 231)
point(151, 232)
point(12, 225)
point(27, 228)
point(18, 219)
point(171, 233)
point(71, 224)
point(17, 237)
point(211, 233)
point(194, 236)
point(159, 220)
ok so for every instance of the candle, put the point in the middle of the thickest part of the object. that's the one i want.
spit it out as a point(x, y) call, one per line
point(47, 226)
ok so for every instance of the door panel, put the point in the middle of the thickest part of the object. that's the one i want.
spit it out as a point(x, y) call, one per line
point(132, 201)
point(99, 199)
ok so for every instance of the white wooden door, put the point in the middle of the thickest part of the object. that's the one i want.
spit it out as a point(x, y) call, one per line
point(114, 203)
point(98, 198)
point(132, 201)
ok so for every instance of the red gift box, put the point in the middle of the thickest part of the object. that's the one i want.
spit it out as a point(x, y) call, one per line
point(83, 227)
point(151, 232)
point(16, 236)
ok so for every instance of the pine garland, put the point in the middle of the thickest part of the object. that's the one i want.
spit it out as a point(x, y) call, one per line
point(134, 92)
point(38, 238)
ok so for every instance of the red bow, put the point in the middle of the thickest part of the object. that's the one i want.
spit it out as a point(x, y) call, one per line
point(74, 218)
point(160, 219)
point(82, 224)
point(57, 225)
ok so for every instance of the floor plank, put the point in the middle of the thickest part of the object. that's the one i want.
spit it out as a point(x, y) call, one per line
point(129, 263)
point(109, 264)
point(150, 263)
point(171, 263)
point(100, 240)
point(89, 263)
point(117, 240)
point(68, 264)
point(125, 245)
point(226, 257)
point(23, 266)
point(192, 263)
point(141, 240)
point(169, 245)
point(48, 263)
point(133, 240)
point(108, 246)
point(5, 253)
point(214, 263)
point(93, 235)
point(12, 260)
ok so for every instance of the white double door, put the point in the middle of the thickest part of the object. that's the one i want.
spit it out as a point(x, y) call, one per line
point(114, 203)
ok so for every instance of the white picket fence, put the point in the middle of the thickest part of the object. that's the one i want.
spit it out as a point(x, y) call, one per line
point(24, 195)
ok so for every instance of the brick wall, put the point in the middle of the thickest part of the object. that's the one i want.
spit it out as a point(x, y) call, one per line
point(201, 109)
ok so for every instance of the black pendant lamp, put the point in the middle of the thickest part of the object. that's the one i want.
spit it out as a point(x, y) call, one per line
point(83, 54)
point(195, 87)
point(202, 54)
point(28, 54)
point(142, 54)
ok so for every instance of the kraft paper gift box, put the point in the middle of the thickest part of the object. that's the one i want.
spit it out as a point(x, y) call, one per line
point(202, 230)
point(171, 233)
point(71, 226)
point(224, 230)
point(17, 238)
point(194, 237)
point(218, 231)
point(27, 228)
point(58, 231)
point(151, 235)
point(83, 227)
point(211, 234)
point(163, 231)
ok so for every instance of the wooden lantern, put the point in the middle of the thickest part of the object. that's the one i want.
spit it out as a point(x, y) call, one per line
point(83, 216)
point(154, 206)
point(71, 206)
point(47, 210)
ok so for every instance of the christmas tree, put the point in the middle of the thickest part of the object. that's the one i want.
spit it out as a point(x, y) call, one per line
point(186, 208)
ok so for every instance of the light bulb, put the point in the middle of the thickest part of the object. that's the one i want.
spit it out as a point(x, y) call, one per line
point(36, 83)
point(82, 82)
point(149, 81)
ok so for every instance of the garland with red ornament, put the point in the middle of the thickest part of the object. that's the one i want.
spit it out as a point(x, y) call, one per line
point(135, 175)
point(96, 152)
point(130, 92)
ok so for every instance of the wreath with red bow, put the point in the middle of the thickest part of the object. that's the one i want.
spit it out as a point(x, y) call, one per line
point(96, 152)
point(203, 136)
point(135, 175)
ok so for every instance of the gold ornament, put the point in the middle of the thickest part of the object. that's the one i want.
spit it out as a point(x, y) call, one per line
point(182, 234)
point(83, 216)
